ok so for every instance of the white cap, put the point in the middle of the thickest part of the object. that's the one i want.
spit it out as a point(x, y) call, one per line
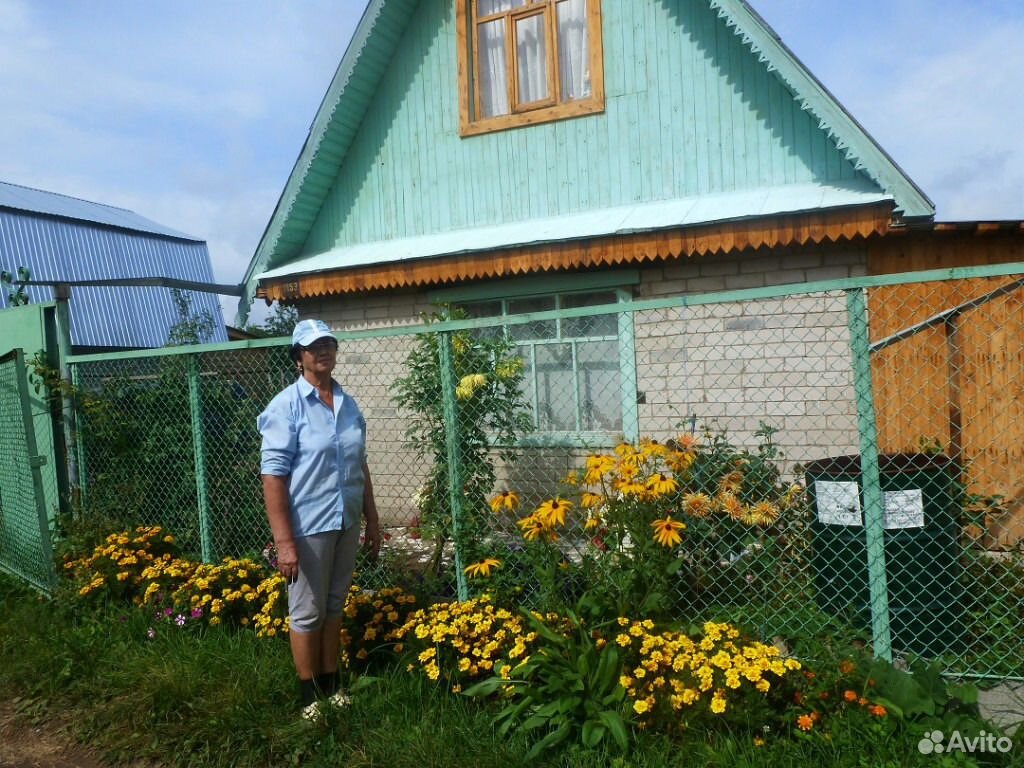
point(309, 331)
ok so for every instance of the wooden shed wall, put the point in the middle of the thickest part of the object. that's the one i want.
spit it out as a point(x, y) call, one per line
point(971, 374)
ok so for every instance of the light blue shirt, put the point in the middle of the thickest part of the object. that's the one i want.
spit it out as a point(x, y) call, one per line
point(320, 452)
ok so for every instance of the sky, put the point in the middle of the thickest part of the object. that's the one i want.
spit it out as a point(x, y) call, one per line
point(193, 113)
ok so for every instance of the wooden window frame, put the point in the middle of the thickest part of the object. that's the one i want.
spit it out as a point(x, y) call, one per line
point(533, 113)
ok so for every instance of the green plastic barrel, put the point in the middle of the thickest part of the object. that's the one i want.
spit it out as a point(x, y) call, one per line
point(923, 498)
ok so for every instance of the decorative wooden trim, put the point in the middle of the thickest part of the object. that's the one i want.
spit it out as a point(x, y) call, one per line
point(637, 248)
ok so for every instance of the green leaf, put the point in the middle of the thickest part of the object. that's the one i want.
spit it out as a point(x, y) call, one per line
point(607, 669)
point(592, 734)
point(552, 739)
point(617, 728)
point(364, 682)
point(486, 687)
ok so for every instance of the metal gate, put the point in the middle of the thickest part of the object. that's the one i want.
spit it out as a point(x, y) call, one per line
point(25, 547)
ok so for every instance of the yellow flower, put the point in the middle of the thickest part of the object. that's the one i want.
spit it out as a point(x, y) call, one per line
point(640, 706)
point(660, 484)
point(590, 500)
point(697, 504)
point(552, 512)
point(666, 531)
point(718, 702)
point(531, 527)
point(764, 513)
point(731, 505)
point(505, 500)
point(483, 568)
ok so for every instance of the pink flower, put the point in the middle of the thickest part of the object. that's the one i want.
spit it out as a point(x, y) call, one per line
point(197, 613)
point(179, 620)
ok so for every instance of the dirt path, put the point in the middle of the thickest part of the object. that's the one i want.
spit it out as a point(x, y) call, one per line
point(23, 745)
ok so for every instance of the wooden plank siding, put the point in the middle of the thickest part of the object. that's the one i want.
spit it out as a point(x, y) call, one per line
point(920, 389)
point(689, 110)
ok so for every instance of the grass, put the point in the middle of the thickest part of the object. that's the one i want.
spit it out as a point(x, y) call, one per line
point(220, 697)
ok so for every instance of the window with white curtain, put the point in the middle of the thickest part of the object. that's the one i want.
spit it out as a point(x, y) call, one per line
point(528, 61)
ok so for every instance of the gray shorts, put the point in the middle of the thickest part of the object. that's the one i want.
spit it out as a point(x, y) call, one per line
point(326, 562)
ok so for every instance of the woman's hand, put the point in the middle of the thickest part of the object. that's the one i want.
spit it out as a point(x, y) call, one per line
point(373, 538)
point(288, 560)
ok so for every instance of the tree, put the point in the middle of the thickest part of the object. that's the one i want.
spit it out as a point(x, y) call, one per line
point(190, 327)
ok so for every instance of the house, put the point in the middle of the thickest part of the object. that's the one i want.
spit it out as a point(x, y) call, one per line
point(521, 155)
point(63, 238)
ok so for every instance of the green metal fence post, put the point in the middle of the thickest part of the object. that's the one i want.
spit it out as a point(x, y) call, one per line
point(454, 458)
point(874, 509)
point(195, 403)
point(80, 452)
point(627, 373)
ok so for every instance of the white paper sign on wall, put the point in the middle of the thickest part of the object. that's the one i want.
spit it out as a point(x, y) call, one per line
point(904, 509)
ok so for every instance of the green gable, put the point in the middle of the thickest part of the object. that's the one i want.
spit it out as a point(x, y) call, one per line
point(703, 104)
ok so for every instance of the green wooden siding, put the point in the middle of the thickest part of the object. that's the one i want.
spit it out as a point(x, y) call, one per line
point(690, 110)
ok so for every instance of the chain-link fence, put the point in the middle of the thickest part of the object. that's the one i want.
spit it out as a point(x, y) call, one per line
point(842, 457)
point(24, 528)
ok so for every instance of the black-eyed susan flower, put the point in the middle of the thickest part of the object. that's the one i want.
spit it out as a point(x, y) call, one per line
point(483, 568)
point(666, 531)
point(552, 512)
point(659, 484)
point(506, 500)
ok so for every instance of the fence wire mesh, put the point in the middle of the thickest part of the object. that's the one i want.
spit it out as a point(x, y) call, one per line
point(799, 463)
point(24, 530)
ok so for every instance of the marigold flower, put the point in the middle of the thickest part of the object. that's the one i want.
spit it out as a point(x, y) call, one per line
point(850, 696)
point(505, 500)
point(846, 666)
point(877, 710)
point(805, 722)
point(483, 568)
point(697, 504)
point(666, 531)
point(763, 513)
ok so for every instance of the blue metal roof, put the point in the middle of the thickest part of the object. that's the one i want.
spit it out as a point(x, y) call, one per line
point(53, 204)
point(61, 238)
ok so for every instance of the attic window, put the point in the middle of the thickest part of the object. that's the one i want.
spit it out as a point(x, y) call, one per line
point(523, 62)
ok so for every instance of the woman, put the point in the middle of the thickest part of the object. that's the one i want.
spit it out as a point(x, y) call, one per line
point(316, 487)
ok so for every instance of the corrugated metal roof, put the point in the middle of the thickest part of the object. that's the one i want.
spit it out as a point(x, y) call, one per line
point(56, 246)
point(53, 204)
point(612, 221)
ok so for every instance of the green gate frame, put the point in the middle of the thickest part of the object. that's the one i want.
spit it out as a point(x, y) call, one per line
point(11, 476)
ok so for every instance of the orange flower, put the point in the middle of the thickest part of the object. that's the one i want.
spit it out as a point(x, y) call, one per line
point(846, 666)
point(877, 710)
point(850, 695)
point(805, 722)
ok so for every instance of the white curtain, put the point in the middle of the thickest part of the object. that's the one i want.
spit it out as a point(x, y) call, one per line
point(492, 68)
point(574, 49)
point(532, 57)
point(530, 39)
